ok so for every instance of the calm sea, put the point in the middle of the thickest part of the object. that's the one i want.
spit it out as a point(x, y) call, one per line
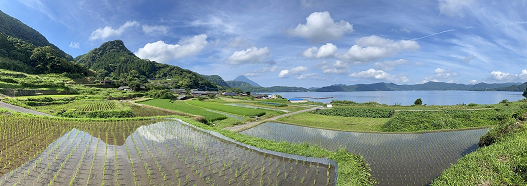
point(408, 97)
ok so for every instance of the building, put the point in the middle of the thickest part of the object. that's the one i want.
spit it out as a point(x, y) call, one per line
point(297, 100)
point(259, 96)
point(125, 88)
point(229, 94)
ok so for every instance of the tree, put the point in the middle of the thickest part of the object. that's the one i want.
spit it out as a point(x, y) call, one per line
point(525, 92)
point(418, 101)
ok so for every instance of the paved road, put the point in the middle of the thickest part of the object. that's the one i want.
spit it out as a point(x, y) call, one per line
point(238, 128)
point(21, 109)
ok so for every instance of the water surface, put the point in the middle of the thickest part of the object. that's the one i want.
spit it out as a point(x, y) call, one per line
point(408, 97)
point(395, 159)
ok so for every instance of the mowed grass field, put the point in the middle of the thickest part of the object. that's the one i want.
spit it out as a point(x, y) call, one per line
point(340, 123)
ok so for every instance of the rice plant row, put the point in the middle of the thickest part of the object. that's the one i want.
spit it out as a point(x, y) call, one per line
point(181, 106)
point(86, 106)
point(227, 108)
point(167, 152)
point(357, 112)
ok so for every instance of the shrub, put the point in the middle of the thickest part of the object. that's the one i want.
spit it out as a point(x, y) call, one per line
point(418, 101)
point(499, 132)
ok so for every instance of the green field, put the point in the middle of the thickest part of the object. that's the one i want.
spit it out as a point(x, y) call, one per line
point(336, 122)
point(227, 108)
point(182, 106)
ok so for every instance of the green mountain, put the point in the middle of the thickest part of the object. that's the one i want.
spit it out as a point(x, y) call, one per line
point(246, 80)
point(217, 80)
point(239, 84)
point(24, 49)
point(13, 27)
point(113, 61)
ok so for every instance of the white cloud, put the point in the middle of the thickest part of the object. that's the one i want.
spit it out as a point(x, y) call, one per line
point(262, 71)
point(103, 33)
point(508, 77)
point(440, 73)
point(374, 47)
point(326, 51)
point(453, 7)
point(251, 55)
point(379, 75)
point(389, 65)
point(150, 29)
point(162, 52)
point(473, 81)
point(75, 45)
point(338, 67)
point(293, 71)
point(308, 76)
point(320, 27)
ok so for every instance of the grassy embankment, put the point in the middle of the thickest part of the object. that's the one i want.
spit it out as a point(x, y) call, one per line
point(502, 162)
point(345, 118)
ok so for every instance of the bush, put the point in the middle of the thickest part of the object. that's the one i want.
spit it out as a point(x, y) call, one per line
point(499, 132)
point(472, 104)
point(160, 94)
point(418, 101)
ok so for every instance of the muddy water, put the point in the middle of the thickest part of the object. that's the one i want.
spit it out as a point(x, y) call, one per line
point(395, 159)
point(164, 153)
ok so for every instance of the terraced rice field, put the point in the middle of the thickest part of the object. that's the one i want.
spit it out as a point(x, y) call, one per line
point(167, 152)
point(395, 159)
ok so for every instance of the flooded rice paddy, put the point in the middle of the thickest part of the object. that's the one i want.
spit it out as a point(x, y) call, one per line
point(168, 152)
point(395, 159)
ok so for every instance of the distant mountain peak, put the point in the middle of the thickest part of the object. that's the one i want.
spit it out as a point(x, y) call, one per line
point(247, 80)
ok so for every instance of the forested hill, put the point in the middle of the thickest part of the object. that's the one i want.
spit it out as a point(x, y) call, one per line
point(113, 61)
point(23, 49)
point(216, 79)
point(13, 27)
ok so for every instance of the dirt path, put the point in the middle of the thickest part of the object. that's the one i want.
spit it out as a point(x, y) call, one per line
point(21, 109)
point(239, 128)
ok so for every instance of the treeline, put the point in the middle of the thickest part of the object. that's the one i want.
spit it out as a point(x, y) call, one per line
point(22, 56)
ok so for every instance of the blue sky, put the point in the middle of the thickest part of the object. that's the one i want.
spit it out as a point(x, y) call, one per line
point(307, 43)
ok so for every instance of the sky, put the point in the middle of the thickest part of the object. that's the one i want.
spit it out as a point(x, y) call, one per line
point(304, 43)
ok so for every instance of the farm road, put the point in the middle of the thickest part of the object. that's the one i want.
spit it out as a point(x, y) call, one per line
point(21, 109)
point(239, 128)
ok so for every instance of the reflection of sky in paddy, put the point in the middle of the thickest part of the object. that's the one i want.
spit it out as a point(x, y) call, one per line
point(395, 159)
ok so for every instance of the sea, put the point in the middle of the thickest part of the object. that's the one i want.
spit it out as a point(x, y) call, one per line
point(408, 97)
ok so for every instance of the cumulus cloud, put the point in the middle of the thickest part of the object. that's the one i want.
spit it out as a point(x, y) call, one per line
point(440, 74)
point(374, 47)
point(293, 71)
point(151, 29)
point(508, 77)
point(262, 71)
point(251, 55)
point(162, 52)
point(390, 65)
point(75, 45)
point(326, 51)
point(320, 27)
point(379, 75)
point(338, 67)
point(453, 7)
point(103, 33)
